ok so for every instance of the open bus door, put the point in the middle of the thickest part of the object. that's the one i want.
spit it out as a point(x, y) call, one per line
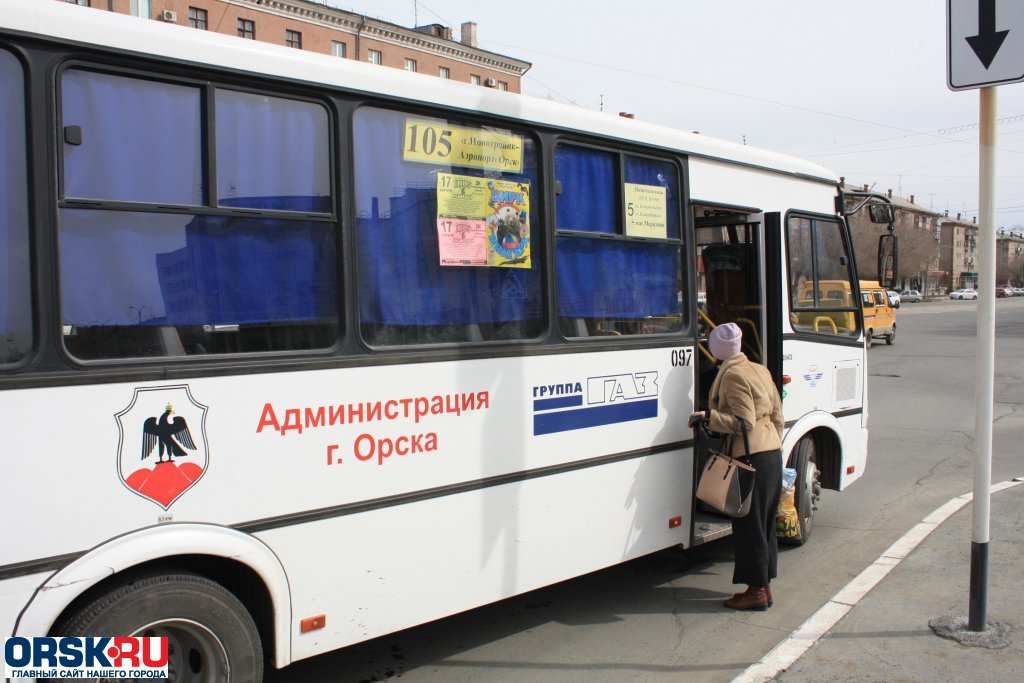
point(732, 248)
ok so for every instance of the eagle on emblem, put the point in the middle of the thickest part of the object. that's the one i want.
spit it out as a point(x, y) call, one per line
point(173, 436)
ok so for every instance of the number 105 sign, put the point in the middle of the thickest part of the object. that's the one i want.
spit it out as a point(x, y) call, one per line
point(430, 142)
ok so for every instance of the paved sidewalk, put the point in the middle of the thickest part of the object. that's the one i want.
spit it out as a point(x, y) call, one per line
point(886, 637)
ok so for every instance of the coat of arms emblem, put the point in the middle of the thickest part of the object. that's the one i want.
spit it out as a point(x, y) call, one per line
point(161, 448)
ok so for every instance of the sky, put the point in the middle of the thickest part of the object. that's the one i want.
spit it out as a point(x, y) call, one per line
point(858, 87)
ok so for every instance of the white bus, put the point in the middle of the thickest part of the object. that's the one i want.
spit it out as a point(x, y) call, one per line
point(300, 351)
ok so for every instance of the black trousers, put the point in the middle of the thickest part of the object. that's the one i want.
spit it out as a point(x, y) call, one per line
point(757, 549)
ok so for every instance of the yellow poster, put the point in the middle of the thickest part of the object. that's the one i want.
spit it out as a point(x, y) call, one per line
point(431, 142)
point(646, 210)
point(504, 208)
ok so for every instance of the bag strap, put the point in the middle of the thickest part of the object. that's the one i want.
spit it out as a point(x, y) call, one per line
point(743, 427)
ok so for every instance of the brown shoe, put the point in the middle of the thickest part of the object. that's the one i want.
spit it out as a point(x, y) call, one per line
point(771, 601)
point(755, 599)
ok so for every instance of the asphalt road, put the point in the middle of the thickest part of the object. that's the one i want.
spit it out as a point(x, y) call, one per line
point(659, 617)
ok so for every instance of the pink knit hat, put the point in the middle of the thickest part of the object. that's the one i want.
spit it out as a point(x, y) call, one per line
point(725, 341)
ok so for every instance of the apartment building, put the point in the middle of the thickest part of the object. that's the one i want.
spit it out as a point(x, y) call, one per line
point(318, 27)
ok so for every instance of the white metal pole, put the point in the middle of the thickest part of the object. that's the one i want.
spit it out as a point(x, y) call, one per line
point(985, 363)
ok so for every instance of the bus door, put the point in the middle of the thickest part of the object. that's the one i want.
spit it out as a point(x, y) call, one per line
point(730, 285)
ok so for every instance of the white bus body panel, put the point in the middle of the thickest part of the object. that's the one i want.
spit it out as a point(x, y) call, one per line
point(499, 540)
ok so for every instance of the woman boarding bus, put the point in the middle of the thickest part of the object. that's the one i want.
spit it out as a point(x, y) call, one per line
point(269, 395)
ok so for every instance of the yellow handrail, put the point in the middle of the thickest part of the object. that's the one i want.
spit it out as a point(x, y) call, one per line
point(830, 321)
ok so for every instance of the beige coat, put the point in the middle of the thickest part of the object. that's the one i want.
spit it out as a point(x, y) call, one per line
point(745, 390)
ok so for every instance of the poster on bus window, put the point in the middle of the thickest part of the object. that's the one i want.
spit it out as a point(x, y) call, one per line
point(483, 222)
point(646, 210)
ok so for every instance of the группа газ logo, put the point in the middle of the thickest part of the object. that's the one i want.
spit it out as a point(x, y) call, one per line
point(169, 423)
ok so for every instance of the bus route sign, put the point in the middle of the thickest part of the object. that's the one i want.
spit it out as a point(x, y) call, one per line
point(984, 43)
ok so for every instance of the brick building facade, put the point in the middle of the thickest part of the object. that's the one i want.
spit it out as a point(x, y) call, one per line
point(919, 233)
point(959, 252)
point(1010, 257)
point(314, 26)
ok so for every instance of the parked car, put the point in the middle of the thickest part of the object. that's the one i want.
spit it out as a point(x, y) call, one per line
point(1003, 292)
point(956, 294)
point(911, 296)
point(894, 298)
point(968, 294)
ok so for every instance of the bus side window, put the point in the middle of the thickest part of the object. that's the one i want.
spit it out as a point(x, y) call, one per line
point(868, 301)
point(15, 284)
point(821, 287)
point(446, 253)
point(159, 281)
point(628, 285)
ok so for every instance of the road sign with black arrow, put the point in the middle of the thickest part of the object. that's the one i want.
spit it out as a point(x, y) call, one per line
point(985, 43)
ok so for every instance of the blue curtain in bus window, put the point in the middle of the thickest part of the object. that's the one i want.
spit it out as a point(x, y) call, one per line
point(600, 278)
point(141, 141)
point(15, 294)
point(661, 174)
point(120, 268)
point(272, 153)
point(400, 279)
point(590, 190)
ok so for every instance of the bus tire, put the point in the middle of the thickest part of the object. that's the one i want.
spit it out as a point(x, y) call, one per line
point(890, 338)
point(808, 487)
point(211, 635)
point(870, 334)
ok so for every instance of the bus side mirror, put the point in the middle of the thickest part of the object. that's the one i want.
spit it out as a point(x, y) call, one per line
point(888, 261)
point(882, 213)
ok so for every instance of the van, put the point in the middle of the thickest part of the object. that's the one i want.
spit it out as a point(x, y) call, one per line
point(879, 315)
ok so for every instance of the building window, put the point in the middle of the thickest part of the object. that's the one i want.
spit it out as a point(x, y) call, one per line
point(414, 287)
point(339, 49)
point(503, 85)
point(293, 39)
point(614, 279)
point(410, 65)
point(197, 18)
point(247, 29)
point(374, 57)
point(15, 273)
point(141, 8)
point(474, 79)
point(153, 282)
point(444, 72)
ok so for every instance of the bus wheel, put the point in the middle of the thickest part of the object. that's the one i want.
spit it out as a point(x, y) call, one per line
point(808, 487)
point(210, 634)
point(890, 338)
point(870, 337)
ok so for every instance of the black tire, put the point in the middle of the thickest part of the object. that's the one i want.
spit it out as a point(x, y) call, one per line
point(808, 488)
point(870, 337)
point(187, 609)
point(890, 338)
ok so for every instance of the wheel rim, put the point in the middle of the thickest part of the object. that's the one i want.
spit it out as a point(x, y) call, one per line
point(195, 654)
point(812, 491)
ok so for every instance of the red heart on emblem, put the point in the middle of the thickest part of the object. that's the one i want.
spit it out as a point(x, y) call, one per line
point(165, 482)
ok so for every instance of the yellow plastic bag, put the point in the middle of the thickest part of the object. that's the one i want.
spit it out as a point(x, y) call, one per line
point(787, 521)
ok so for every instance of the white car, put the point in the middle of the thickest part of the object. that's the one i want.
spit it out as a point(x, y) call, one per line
point(911, 296)
point(894, 298)
point(964, 294)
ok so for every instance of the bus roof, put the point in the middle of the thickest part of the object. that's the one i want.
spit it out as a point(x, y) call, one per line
point(107, 30)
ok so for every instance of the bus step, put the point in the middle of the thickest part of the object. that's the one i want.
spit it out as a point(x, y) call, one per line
point(708, 527)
